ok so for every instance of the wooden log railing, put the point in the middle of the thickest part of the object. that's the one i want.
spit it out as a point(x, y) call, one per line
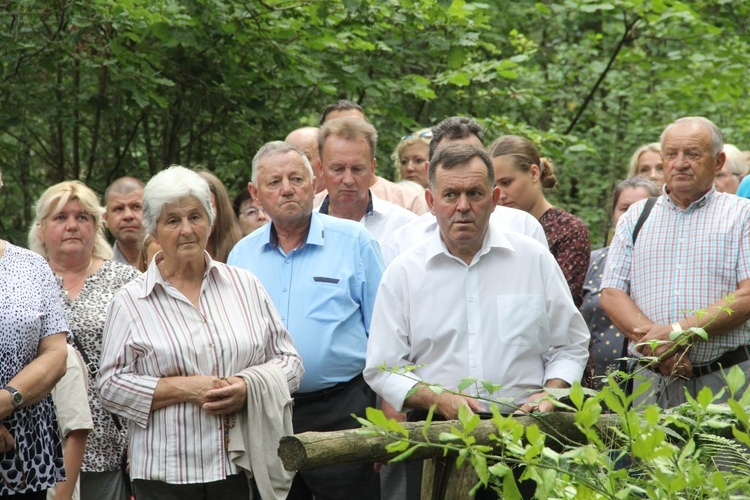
point(310, 450)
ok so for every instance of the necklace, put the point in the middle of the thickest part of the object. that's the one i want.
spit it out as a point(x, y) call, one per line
point(85, 273)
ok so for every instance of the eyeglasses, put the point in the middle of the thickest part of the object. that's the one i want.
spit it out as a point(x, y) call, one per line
point(423, 135)
point(18, 462)
point(252, 212)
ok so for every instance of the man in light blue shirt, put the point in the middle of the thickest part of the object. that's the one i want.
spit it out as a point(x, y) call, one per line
point(322, 274)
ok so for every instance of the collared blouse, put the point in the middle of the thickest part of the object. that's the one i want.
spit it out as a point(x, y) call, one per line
point(154, 331)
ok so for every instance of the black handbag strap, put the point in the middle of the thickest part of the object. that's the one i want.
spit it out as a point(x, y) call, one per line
point(644, 215)
point(650, 202)
point(93, 369)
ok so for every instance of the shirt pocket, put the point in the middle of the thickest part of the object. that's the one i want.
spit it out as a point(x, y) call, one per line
point(328, 299)
point(521, 319)
point(719, 255)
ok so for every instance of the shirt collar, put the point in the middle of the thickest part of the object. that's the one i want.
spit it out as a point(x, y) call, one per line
point(315, 233)
point(154, 277)
point(700, 202)
point(326, 203)
point(493, 240)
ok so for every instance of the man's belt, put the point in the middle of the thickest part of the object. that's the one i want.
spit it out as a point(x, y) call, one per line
point(311, 397)
point(726, 360)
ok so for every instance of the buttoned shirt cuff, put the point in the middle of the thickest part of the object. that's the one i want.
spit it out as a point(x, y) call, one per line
point(564, 369)
point(395, 389)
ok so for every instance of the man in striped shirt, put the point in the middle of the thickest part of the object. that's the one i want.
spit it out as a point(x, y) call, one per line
point(691, 253)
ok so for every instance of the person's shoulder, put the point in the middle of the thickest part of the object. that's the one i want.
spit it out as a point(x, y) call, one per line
point(565, 217)
point(118, 268)
point(732, 200)
point(344, 227)
point(252, 240)
point(23, 261)
point(525, 244)
point(23, 253)
point(509, 213)
point(235, 273)
point(392, 210)
point(390, 190)
point(411, 259)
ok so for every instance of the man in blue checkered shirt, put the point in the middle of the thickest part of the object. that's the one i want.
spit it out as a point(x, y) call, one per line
point(692, 251)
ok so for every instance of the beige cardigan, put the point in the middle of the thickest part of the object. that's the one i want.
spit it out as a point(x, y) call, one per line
point(254, 439)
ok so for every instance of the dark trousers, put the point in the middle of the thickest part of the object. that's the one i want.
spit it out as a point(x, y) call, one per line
point(332, 412)
point(232, 488)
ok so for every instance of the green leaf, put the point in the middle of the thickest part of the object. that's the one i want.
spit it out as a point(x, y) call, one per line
point(700, 332)
point(460, 79)
point(466, 383)
point(447, 436)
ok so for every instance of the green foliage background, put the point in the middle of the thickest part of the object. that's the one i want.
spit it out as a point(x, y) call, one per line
point(97, 89)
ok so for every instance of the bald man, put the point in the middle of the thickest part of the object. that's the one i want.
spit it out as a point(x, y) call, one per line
point(306, 140)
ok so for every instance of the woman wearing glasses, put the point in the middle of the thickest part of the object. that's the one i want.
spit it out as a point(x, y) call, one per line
point(32, 359)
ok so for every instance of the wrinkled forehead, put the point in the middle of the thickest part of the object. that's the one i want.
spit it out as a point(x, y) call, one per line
point(687, 135)
point(281, 163)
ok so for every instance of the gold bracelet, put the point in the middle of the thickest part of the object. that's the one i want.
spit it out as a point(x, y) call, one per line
point(676, 327)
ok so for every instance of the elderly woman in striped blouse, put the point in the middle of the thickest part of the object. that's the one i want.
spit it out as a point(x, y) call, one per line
point(180, 346)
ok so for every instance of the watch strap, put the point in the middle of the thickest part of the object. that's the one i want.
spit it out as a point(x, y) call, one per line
point(15, 396)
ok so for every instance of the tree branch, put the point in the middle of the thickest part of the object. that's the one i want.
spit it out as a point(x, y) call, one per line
point(590, 96)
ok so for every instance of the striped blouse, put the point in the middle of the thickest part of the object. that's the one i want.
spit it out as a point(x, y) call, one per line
point(154, 331)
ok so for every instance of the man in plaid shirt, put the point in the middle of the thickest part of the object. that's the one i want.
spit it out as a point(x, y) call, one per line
point(692, 251)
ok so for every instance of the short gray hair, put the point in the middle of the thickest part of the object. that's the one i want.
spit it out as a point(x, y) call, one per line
point(277, 148)
point(169, 186)
point(717, 138)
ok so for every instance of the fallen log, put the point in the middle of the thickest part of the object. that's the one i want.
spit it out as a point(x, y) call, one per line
point(310, 450)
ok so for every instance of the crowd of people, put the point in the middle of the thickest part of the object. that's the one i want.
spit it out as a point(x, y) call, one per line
point(170, 363)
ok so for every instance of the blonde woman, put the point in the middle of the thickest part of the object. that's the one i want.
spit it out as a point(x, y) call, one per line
point(646, 163)
point(68, 232)
point(411, 156)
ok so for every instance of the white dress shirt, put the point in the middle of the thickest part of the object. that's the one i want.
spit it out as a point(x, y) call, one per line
point(385, 218)
point(419, 230)
point(507, 318)
point(153, 331)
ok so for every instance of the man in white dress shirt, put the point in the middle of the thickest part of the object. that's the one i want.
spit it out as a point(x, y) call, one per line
point(347, 154)
point(457, 130)
point(473, 301)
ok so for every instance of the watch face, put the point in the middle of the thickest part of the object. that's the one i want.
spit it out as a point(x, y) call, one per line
point(17, 398)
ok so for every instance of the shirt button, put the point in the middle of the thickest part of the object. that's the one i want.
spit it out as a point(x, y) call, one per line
point(472, 332)
point(474, 364)
point(211, 345)
point(286, 261)
point(471, 299)
point(283, 289)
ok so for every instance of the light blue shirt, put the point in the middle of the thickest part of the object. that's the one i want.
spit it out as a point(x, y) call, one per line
point(324, 291)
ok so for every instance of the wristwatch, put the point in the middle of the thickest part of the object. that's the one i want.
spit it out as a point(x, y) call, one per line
point(15, 396)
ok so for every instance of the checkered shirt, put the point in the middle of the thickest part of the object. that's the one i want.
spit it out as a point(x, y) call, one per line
point(684, 261)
